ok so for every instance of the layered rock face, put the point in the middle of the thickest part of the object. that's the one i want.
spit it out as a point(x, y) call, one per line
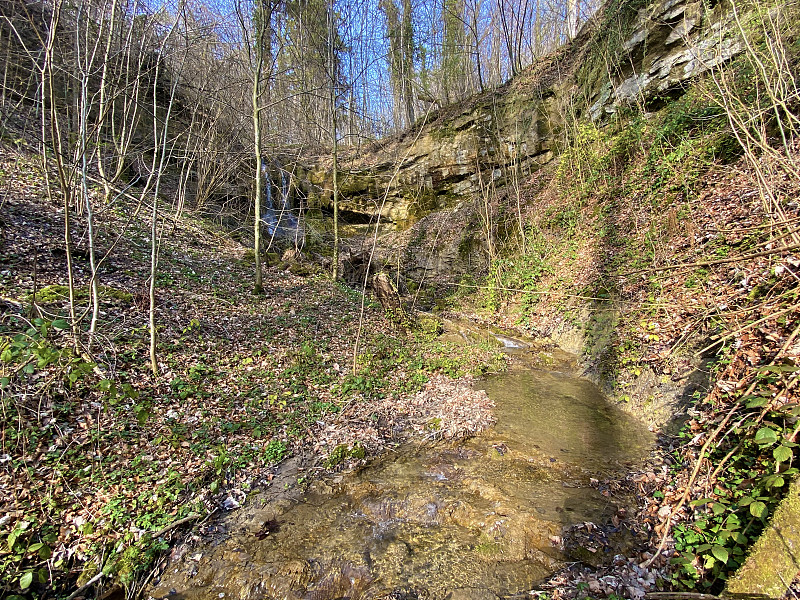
point(628, 54)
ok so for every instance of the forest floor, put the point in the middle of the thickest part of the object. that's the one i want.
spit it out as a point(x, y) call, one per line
point(99, 459)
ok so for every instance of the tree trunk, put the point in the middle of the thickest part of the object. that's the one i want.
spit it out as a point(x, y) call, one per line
point(160, 150)
point(259, 287)
point(390, 300)
point(334, 140)
point(572, 19)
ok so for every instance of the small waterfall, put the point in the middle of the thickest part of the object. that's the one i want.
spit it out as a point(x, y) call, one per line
point(281, 216)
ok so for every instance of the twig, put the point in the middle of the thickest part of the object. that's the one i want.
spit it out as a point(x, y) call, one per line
point(775, 224)
point(86, 585)
point(688, 488)
point(710, 263)
point(766, 409)
point(375, 243)
point(11, 301)
point(143, 584)
point(745, 328)
point(680, 596)
point(178, 523)
point(209, 515)
point(787, 586)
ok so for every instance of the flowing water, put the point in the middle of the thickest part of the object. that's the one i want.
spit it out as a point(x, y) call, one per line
point(468, 520)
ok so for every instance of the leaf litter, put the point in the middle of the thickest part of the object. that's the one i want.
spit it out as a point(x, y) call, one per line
point(98, 456)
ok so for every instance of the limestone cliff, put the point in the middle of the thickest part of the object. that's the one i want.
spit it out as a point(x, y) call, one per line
point(630, 53)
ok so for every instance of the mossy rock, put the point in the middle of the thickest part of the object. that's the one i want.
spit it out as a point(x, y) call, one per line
point(59, 293)
point(356, 184)
point(129, 563)
point(106, 291)
point(343, 452)
point(428, 326)
point(302, 269)
point(90, 569)
point(272, 259)
point(773, 560)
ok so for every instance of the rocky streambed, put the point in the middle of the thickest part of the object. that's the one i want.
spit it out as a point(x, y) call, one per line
point(470, 519)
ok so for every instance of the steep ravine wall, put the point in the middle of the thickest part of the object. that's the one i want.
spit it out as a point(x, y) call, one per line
point(645, 266)
point(631, 53)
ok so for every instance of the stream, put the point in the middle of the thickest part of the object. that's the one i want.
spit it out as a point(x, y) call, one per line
point(458, 521)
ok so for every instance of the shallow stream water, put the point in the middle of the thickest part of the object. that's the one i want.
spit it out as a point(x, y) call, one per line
point(465, 520)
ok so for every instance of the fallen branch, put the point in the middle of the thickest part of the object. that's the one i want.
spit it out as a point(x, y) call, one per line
point(745, 328)
point(86, 586)
point(710, 263)
point(775, 224)
point(178, 523)
point(10, 301)
point(159, 533)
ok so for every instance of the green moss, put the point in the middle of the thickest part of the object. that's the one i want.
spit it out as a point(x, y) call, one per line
point(422, 203)
point(343, 452)
point(428, 327)
point(272, 259)
point(358, 452)
point(467, 245)
point(129, 563)
point(488, 548)
point(357, 184)
point(60, 293)
point(443, 132)
point(772, 562)
point(434, 424)
point(106, 291)
point(302, 269)
point(617, 20)
point(697, 277)
point(52, 293)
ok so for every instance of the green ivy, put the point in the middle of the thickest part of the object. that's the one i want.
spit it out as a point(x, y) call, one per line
point(712, 545)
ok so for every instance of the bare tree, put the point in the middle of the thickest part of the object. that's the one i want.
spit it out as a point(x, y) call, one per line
point(161, 150)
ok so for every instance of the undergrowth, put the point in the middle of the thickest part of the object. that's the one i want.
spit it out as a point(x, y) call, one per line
point(630, 200)
point(754, 461)
point(100, 457)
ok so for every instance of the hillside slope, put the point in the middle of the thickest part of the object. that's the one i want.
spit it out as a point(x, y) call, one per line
point(100, 460)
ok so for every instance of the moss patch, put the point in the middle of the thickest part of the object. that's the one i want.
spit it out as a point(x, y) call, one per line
point(59, 293)
point(342, 453)
point(775, 558)
point(51, 293)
